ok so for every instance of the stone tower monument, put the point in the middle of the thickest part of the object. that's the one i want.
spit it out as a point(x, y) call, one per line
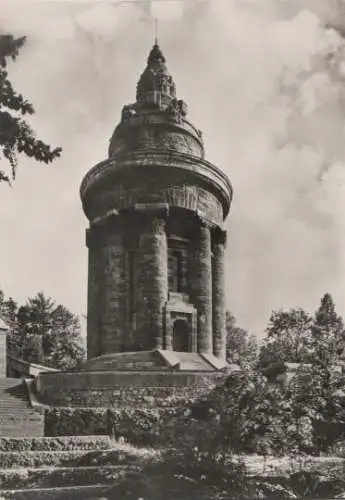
point(156, 239)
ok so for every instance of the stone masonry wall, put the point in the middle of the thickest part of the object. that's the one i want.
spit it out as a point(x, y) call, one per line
point(135, 397)
point(110, 389)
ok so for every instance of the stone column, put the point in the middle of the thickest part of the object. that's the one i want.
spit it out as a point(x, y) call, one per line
point(203, 295)
point(218, 295)
point(153, 276)
point(93, 322)
point(112, 308)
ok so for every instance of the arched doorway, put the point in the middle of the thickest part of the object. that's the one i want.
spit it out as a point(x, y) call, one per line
point(181, 334)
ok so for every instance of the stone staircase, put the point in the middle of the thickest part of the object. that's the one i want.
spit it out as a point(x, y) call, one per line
point(143, 360)
point(192, 361)
point(17, 418)
point(57, 468)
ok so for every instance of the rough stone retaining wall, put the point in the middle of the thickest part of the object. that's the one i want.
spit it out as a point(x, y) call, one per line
point(153, 427)
point(115, 389)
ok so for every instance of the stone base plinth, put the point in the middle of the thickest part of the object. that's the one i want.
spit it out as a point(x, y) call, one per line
point(158, 359)
point(113, 389)
point(131, 378)
point(143, 360)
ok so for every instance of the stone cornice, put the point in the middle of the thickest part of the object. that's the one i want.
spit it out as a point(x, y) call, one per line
point(155, 158)
point(99, 220)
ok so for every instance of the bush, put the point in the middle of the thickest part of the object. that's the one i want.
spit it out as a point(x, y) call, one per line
point(54, 444)
point(75, 422)
point(185, 475)
point(9, 460)
point(138, 426)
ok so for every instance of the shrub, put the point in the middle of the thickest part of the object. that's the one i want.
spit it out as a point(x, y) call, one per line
point(185, 475)
point(54, 444)
point(138, 426)
point(29, 459)
point(75, 422)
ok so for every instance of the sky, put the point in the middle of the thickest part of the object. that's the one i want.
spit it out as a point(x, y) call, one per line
point(265, 82)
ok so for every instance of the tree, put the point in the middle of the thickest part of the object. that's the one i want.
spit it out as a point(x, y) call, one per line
point(328, 333)
point(8, 312)
point(8, 309)
point(16, 136)
point(40, 309)
point(47, 334)
point(67, 349)
point(327, 342)
point(287, 341)
point(240, 347)
point(20, 336)
point(290, 334)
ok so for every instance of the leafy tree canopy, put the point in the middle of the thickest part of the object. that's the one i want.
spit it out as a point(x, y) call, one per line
point(43, 332)
point(241, 348)
point(327, 333)
point(16, 135)
point(295, 336)
point(288, 336)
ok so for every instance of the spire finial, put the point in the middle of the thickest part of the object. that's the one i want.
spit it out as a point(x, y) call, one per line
point(156, 31)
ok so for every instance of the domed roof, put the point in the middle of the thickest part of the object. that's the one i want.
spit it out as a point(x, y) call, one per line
point(155, 78)
point(154, 141)
point(157, 120)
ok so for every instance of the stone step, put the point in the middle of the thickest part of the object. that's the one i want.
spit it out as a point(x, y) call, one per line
point(33, 459)
point(17, 417)
point(192, 361)
point(13, 402)
point(57, 477)
point(9, 393)
point(9, 381)
point(61, 443)
point(143, 360)
point(22, 429)
point(64, 493)
point(13, 405)
point(25, 414)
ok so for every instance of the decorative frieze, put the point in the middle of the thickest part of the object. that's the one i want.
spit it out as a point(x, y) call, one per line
point(195, 171)
point(188, 197)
